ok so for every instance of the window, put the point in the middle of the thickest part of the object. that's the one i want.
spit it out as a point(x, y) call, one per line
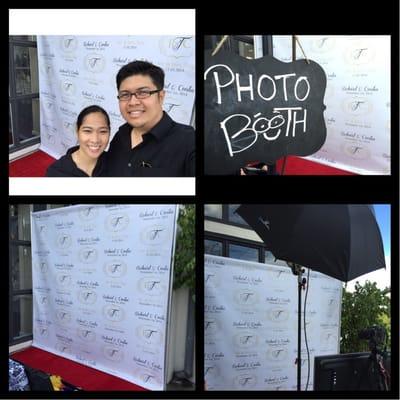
point(225, 244)
point(20, 271)
point(243, 252)
point(213, 210)
point(233, 217)
point(225, 212)
point(242, 45)
point(24, 122)
point(213, 247)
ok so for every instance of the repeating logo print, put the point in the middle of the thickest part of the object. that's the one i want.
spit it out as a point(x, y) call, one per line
point(117, 222)
point(63, 348)
point(47, 70)
point(211, 370)
point(246, 340)
point(245, 381)
point(88, 255)
point(171, 105)
point(278, 275)
point(177, 46)
point(211, 280)
point(150, 378)
point(115, 268)
point(68, 44)
point(154, 235)
point(63, 317)
point(151, 286)
point(87, 296)
point(360, 53)
point(277, 354)
point(63, 279)
point(86, 334)
point(355, 151)
point(113, 353)
point(64, 241)
point(211, 326)
point(43, 300)
point(42, 231)
point(50, 137)
point(68, 88)
point(42, 332)
point(41, 266)
point(113, 313)
point(95, 63)
point(246, 297)
point(357, 106)
point(149, 334)
point(88, 213)
point(277, 315)
point(323, 44)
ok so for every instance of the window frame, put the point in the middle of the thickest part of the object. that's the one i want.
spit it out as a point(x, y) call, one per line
point(227, 240)
point(13, 338)
point(225, 218)
point(14, 98)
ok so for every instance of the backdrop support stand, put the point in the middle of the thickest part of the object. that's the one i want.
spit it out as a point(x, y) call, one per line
point(298, 270)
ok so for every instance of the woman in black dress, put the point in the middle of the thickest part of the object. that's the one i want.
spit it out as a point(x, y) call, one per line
point(88, 158)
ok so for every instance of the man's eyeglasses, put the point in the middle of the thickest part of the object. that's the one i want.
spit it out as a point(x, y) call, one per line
point(140, 94)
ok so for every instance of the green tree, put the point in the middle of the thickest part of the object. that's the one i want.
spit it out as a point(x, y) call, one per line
point(185, 261)
point(366, 306)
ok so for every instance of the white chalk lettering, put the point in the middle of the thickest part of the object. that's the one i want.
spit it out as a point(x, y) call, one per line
point(285, 76)
point(266, 85)
point(240, 89)
point(246, 132)
point(302, 79)
point(260, 81)
point(218, 85)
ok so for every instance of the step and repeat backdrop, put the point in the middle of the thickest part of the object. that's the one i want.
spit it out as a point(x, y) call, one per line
point(250, 324)
point(357, 98)
point(78, 71)
point(102, 278)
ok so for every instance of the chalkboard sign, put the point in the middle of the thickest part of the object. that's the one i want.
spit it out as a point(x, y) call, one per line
point(260, 110)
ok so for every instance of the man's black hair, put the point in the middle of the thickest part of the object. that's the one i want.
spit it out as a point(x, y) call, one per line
point(142, 68)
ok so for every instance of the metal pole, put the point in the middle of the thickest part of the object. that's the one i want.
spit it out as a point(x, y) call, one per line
point(298, 270)
point(300, 279)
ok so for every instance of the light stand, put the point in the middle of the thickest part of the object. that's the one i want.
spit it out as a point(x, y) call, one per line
point(298, 270)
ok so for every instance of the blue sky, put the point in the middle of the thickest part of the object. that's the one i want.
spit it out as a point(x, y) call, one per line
point(382, 213)
point(380, 276)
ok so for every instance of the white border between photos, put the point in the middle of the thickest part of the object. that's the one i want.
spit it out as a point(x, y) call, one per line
point(102, 187)
point(102, 21)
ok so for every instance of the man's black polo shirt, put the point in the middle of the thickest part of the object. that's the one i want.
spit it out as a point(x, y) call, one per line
point(168, 149)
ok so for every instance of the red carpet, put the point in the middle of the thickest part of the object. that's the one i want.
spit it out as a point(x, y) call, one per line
point(30, 166)
point(299, 166)
point(77, 374)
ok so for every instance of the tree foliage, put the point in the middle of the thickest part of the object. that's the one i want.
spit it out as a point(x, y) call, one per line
point(185, 261)
point(366, 306)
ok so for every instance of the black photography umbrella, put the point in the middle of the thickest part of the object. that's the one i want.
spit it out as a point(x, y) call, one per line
point(339, 240)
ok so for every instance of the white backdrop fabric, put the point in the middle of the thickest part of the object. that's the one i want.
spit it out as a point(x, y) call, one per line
point(357, 98)
point(102, 278)
point(78, 71)
point(250, 324)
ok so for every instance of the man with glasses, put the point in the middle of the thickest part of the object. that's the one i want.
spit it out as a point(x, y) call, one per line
point(150, 143)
